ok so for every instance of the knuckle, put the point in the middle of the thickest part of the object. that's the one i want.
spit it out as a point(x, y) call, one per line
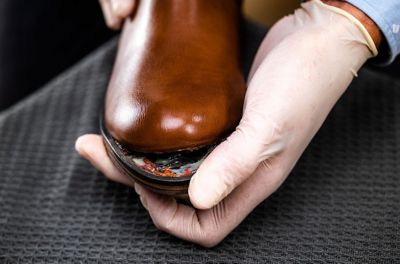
point(210, 234)
point(166, 221)
point(168, 226)
point(209, 239)
point(208, 244)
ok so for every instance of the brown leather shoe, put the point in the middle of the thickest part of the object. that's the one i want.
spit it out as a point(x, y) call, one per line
point(177, 82)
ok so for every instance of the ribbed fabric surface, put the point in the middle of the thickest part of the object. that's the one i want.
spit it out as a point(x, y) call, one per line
point(341, 204)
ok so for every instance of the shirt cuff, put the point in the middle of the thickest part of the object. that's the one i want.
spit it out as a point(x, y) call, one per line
point(386, 14)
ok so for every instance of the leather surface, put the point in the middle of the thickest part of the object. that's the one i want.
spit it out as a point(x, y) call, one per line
point(177, 82)
point(341, 203)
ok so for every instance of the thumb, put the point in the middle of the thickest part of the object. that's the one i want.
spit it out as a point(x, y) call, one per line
point(234, 160)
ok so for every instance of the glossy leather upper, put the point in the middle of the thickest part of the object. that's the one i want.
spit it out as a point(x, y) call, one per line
point(177, 82)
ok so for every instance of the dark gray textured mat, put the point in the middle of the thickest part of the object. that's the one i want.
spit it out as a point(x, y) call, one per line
point(340, 204)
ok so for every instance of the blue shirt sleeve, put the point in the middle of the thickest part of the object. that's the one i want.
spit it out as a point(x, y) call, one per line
point(386, 14)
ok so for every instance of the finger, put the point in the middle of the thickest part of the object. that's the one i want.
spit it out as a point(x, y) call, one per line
point(92, 148)
point(234, 160)
point(210, 227)
point(122, 8)
point(112, 20)
point(176, 219)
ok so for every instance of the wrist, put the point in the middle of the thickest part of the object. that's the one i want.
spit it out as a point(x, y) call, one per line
point(367, 22)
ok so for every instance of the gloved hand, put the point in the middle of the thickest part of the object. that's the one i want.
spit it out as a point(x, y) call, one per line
point(303, 66)
point(115, 11)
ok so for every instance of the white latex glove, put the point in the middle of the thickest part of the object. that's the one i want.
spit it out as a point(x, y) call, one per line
point(303, 66)
point(115, 11)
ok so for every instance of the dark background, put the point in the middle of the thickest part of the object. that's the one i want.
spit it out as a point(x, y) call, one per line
point(40, 39)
